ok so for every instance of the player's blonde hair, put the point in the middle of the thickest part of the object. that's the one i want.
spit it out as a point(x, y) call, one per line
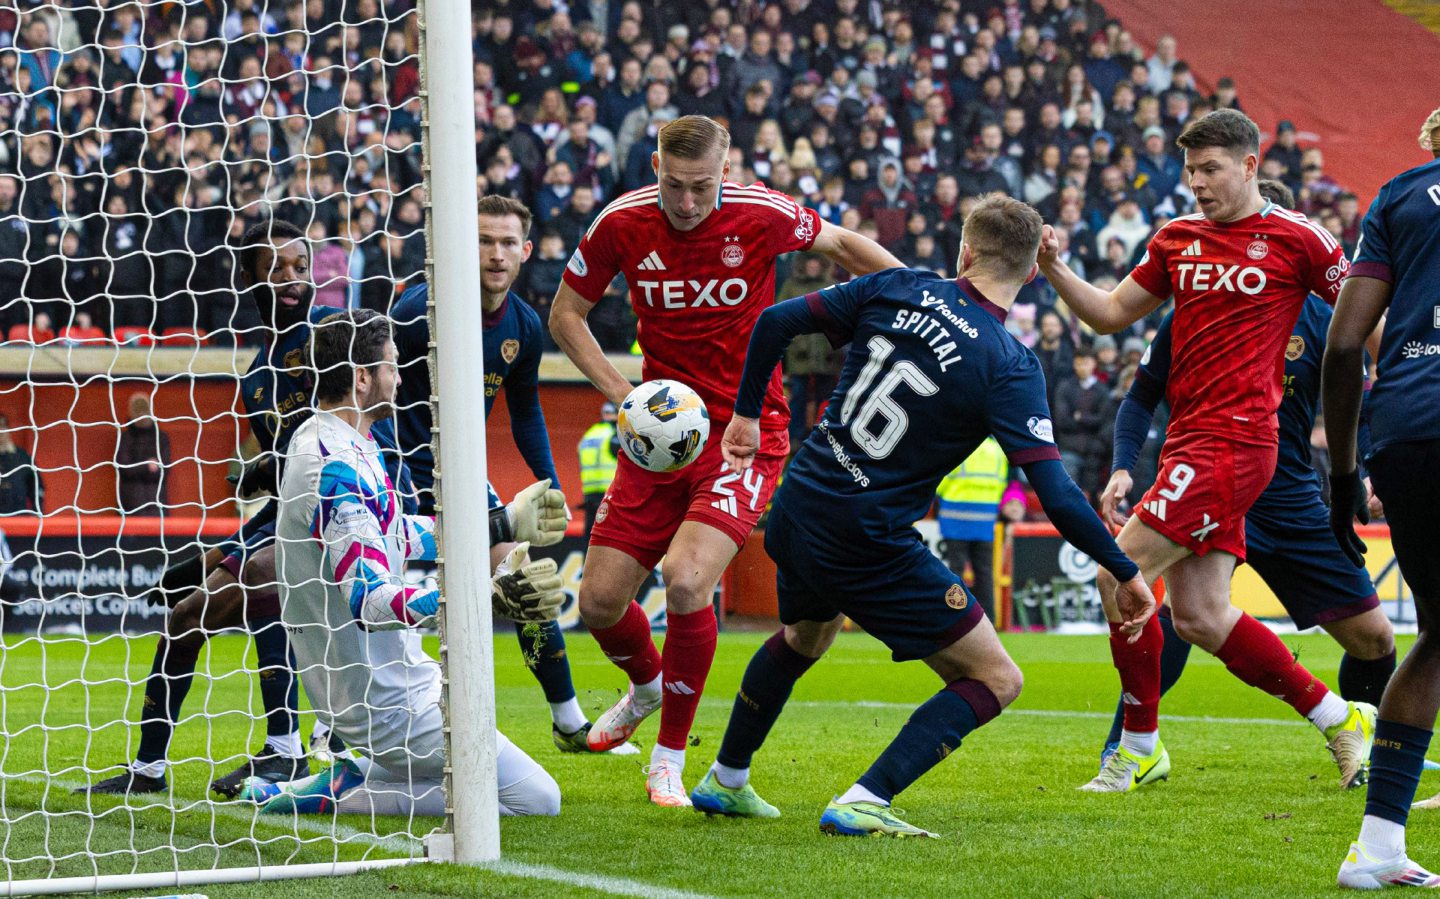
point(694, 137)
point(1430, 133)
point(1004, 235)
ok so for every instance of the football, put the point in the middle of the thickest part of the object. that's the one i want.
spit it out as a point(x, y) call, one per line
point(663, 425)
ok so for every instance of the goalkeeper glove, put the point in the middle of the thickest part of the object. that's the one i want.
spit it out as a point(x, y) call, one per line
point(257, 477)
point(523, 590)
point(537, 515)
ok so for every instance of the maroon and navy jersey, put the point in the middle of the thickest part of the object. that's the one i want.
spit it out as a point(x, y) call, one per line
point(1238, 287)
point(697, 293)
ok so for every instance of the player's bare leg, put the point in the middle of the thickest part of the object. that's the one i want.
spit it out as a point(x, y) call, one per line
point(1141, 758)
point(1199, 594)
point(1369, 661)
point(980, 681)
point(608, 607)
point(769, 679)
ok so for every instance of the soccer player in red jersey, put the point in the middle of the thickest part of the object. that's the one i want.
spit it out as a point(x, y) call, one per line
point(1239, 270)
point(698, 253)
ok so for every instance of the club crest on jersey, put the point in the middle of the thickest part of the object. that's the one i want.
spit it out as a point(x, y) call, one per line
point(509, 350)
point(733, 255)
point(1257, 250)
point(1296, 348)
point(1041, 428)
point(955, 597)
point(603, 511)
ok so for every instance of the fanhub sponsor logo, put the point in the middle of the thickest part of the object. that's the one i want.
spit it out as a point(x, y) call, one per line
point(1414, 349)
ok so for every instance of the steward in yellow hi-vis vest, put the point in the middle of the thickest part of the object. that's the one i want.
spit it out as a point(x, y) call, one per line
point(969, 501)
point(598, 449)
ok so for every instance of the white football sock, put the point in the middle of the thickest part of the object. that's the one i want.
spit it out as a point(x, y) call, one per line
point(567, 715)
point(649, 695)
point(731, 778)
point(675, 757)
point(150, 769)
point(1382, 838)
point(1331, 711)
point(288, 745)
point(1141, 744)
point(858, 793)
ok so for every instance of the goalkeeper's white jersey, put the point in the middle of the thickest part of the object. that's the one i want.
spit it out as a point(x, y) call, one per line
point(342, 543)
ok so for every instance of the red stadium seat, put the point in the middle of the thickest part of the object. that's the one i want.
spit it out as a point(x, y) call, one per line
point(133, 335)
point(23, 333)
point(91, 336)
point(182, 337)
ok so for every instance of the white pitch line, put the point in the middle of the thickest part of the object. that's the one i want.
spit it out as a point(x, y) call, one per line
point(617, 886)
point(409, 845)
point(1064, 713)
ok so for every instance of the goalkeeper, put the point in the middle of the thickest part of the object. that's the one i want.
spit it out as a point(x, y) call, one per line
point(512, 347)
point(341, 547)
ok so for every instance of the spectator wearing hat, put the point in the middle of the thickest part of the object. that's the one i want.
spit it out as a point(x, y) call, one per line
point(1101, 67)
point(889, 203)
point(977, 177)
point(1160, 170)
point(1285, 150)
point(1127, 224)
point(1107, 360)
point(798, 112)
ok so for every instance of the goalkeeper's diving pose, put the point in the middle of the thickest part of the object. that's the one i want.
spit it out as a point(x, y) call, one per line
point(342, 541)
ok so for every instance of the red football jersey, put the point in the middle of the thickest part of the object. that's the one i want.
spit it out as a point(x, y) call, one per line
point(1238, 289)
point(697, 293)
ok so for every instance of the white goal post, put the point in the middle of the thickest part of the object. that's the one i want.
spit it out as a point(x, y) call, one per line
point(139, 140)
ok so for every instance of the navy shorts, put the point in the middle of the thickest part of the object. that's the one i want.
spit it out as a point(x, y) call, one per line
point(1403, 475)
point(1301, 562)
point(900, 593)
point(253, 536)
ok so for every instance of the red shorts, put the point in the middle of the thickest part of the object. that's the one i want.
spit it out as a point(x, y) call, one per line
point(1205, 486)
point(642, 510)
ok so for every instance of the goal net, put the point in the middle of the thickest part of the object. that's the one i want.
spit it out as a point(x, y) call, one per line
point(144, 387)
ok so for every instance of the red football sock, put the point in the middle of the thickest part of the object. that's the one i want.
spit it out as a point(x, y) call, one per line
point(689, 652)
point(1139, 667)
point(1254, 654)
point(628, 644)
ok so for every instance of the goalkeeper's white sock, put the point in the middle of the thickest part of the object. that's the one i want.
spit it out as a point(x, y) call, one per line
point(858, 793)
point(150, 769)
point(288, 746)
point(567, 715)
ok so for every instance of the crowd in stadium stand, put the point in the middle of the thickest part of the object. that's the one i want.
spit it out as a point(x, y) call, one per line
point(140, 142)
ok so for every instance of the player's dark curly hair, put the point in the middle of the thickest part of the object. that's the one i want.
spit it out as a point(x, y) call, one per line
point(341, 343)
point(266, 233)
point(1228, 129)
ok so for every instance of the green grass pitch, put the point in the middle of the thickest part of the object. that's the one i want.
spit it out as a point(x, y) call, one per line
point(1252, 806)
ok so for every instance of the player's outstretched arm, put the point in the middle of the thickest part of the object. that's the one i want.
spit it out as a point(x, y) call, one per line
point(1362, 303)
point(571, 330)
point(1106, 312)
point(856, 253)
point(1083, 529)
